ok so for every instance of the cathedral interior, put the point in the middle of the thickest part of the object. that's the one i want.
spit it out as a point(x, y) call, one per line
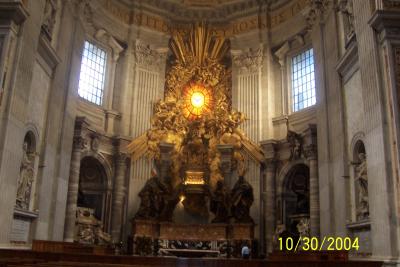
point(145, 131)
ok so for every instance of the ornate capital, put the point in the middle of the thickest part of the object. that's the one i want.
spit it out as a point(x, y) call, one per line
point(248, 61)
point(311, 152)
point(149, 58)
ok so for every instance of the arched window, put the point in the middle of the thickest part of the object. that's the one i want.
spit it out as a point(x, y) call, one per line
point(303, 80)
point(93, 72)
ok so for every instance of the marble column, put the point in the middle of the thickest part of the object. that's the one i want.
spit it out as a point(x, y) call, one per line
point(311, 155)
point(269, 203)
point(119, 196)
point(73, 185)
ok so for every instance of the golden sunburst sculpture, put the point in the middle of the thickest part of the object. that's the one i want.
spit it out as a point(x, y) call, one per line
point(196, 113)
point(198, 101)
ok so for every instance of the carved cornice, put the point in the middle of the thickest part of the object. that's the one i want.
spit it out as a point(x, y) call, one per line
point(104, 37)
point(229, 18)
point(391, 5)
point(13, 11)
point(249, 61)
point(48, 55)
point(149, 58)
point(209, 12)
point(348, 64)
point(387, 24)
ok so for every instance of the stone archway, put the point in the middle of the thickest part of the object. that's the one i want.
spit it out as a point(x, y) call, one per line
point(93, 189)
point(296, 197)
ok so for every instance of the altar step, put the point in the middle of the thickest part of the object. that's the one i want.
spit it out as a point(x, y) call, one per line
point(25, 258)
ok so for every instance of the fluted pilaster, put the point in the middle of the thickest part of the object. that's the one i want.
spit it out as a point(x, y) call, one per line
point(310, 152)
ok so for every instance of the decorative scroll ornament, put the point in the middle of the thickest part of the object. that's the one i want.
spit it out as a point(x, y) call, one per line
point(250, 61)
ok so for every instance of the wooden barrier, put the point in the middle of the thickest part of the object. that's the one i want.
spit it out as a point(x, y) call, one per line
point(9, 257)
point(69, 247)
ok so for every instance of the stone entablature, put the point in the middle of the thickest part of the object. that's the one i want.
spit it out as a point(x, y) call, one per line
point(229, 18)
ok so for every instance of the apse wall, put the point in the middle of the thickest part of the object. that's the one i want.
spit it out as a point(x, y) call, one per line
point(149, 77)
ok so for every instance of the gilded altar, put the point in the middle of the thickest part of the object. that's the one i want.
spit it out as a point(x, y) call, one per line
point(198, 152)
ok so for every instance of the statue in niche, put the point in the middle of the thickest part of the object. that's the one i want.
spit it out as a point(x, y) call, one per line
point(219, 204)
point(49, 18)
point(242, 198)
point(25, 179)
point(361, 179)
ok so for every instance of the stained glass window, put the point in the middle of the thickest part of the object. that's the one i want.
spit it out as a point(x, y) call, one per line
point(92, 76)
point(303, 80)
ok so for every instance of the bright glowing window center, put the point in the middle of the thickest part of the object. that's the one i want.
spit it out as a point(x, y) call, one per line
point(197, 99)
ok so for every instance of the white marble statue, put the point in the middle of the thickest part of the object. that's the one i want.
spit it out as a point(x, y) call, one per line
point(361, 179)
point(25, 179)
